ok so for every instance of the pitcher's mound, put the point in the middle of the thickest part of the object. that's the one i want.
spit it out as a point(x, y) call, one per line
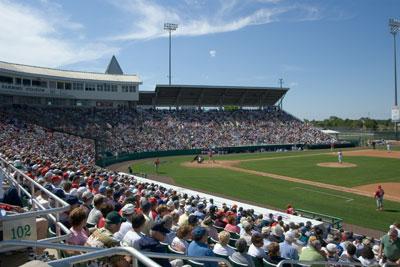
point(337, 165)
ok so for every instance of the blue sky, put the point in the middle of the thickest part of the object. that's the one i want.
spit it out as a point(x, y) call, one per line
point(336, 56)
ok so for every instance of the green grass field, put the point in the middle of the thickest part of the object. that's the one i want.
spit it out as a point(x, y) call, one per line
point(368, 171)
point(354, 209)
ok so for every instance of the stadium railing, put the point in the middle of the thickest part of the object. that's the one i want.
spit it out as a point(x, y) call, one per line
point(27, 186)
point(146, 258)
point(336, 222)
point(294, 263)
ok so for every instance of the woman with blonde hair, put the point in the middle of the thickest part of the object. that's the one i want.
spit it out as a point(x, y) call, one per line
point(222, 247)
point(179, 242)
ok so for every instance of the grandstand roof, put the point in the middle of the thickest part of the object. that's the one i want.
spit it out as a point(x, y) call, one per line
point(211, 96)
point(66, 74)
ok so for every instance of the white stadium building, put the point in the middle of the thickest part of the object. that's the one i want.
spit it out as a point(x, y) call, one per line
point(39, 86)
point(31, 85)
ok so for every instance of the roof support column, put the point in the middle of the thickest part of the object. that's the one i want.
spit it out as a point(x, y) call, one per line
point(242, 98)
point(200, 100)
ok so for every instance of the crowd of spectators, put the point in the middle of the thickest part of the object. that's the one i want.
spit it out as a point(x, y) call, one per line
point(109, 209)
point(128, 130)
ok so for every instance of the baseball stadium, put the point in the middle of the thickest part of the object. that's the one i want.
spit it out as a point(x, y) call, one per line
point(96, 171)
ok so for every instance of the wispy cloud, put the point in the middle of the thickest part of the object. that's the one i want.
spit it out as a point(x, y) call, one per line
point(223, 16)
point(40, 36)
point(212, 53)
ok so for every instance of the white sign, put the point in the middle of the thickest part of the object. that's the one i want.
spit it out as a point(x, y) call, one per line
point(395, 114)
point(23, 229)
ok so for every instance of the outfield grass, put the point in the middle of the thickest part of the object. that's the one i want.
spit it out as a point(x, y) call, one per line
point(257, 155)
point(369, 170)
point(276, 193)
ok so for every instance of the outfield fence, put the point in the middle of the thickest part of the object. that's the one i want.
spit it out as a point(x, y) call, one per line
point(107, 159)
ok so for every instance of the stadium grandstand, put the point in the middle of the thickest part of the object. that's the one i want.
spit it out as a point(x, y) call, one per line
point(55, 196)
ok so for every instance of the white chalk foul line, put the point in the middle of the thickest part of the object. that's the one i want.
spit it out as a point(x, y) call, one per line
point(323, 193)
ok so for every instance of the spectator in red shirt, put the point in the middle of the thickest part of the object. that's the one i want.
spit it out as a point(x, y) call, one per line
point(231, 226)
point(289, 209)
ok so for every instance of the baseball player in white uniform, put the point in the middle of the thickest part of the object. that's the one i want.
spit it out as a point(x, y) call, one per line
point(340, 156)
point(388, 148)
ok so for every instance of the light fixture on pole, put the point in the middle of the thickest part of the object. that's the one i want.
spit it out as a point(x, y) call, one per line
point(394, 28)
point(170, 27)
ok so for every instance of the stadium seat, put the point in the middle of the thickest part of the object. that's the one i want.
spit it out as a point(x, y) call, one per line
point(51, 233)
point(195, 263)
point(165, 246)
point(212, 240)
point(232, 247)
point(221, 255)
point(234, 235)
point(258, 262)
point(232, 241)
point(173, 251)
point(235, 263)
point(219, 229)
point(268, 264)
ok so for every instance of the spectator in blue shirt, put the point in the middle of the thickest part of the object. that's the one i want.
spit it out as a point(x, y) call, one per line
point(199, 248)
point(200, 211)
point(286, 248)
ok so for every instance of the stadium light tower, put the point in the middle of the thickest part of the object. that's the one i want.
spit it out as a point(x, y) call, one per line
point(170, 27)
point(394, 28)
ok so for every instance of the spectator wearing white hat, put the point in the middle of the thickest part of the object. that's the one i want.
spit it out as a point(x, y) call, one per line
point(331, 252)
point(286, 248)
point(127, 211)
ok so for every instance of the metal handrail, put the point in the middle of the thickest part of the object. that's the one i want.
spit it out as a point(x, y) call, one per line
point(53, 213)
point(95, 253)
point(323, 263)
point(144, 257)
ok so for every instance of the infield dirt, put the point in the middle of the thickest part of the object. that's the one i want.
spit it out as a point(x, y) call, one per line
point(336, 165)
